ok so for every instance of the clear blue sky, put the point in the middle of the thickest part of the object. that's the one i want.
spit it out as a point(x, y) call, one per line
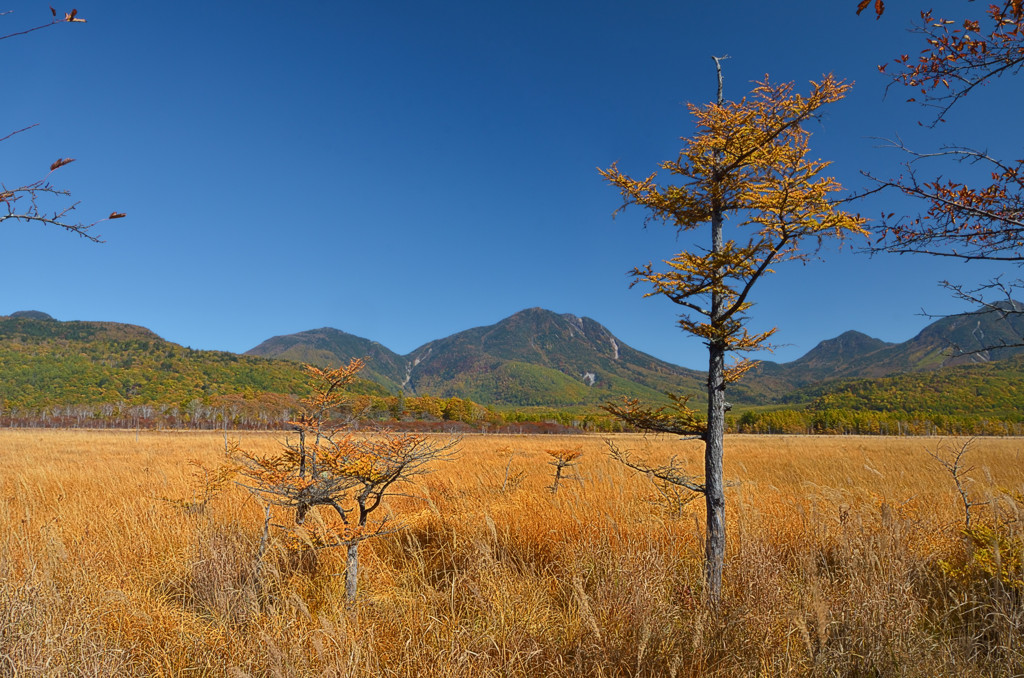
point(406, 170)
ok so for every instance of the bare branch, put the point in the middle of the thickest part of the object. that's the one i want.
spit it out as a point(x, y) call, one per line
point(19, 131)
point(68, 18)
point(671, 473)
point(954, 462)
point(30, 211)
point(970, 223)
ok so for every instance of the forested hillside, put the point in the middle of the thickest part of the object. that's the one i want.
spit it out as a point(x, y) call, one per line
point(977, 399)
point(518, 373)
point(44, 362)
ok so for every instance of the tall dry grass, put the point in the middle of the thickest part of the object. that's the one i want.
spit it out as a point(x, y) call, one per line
point(845, 558)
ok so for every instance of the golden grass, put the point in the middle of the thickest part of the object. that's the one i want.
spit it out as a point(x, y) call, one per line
point(834, 565)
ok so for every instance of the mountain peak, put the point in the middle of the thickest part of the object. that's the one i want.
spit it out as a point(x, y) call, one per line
point(568, 358)
point(32, 315)
point(832, 356)
point(330, 347)
point(849, 344)
point(830, 359)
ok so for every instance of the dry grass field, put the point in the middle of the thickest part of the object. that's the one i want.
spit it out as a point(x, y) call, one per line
point(847, 557)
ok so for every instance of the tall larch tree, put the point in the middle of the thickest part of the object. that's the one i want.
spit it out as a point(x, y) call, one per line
point(746, 168)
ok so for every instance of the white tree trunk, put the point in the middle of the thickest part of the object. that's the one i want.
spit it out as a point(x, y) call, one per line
point(352, 571)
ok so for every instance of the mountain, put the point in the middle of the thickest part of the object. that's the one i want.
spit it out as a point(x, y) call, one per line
point(986, 389)
point(832, 356)
point(534, 357)
point(32, 315)
point(45, 362)
point(845, 355)
point(978, 337)
point(328, 347)
point(538, 357)
point(946, 342)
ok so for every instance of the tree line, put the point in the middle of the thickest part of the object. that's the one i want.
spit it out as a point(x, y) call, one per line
point(274, 411)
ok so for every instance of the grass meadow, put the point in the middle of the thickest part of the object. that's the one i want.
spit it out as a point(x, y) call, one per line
point(847, 557)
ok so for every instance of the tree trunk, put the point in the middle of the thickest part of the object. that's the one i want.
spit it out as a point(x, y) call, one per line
point(352, 571)
point(714, 440)
point(714, 495)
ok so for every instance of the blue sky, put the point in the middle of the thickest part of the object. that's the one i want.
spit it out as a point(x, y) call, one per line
point(406, 170)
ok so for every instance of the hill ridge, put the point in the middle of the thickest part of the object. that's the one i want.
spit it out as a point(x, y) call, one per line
point(534, 357)
point(531, 344)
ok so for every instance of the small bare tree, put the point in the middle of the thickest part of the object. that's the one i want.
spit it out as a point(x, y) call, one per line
point(512, 480)
point(953, 459)
point(331, 468)
point(562, 459)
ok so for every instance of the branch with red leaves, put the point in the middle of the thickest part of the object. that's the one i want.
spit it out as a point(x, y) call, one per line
point(978, 221)
point(22, 203)
point(69, 18)
point(879, 7)
point(960, 55)
point(961, 221)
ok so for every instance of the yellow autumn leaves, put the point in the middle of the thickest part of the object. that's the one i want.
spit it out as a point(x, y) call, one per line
point(747, 164)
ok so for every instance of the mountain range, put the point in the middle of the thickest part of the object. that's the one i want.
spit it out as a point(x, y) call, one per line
point(532, 358)
point(538, 357)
